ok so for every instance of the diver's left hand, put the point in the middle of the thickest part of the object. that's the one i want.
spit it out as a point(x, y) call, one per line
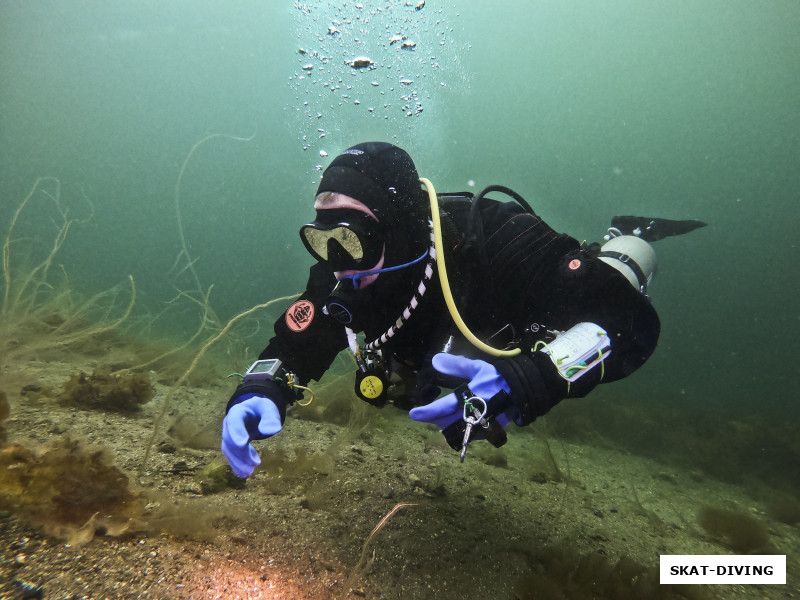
point(484, 382)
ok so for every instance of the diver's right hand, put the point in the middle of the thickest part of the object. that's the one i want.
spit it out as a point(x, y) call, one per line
point(254, 418)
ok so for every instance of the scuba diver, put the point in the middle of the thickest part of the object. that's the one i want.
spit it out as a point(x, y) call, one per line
point(450, 291)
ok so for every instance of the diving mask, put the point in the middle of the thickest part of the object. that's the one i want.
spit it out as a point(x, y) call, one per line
point(345, 239)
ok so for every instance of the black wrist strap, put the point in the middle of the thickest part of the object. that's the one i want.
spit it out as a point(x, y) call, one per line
point(279, 394)
point(529, 391)
point(494, 434)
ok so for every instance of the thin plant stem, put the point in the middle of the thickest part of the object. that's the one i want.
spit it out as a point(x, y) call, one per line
point(193, 365)
point(9, 303)
point(95, 331)
point(189, 342)
point(357, 569)
point(184, 252)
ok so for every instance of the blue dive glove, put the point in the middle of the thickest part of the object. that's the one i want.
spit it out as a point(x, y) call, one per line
point(253, 417)
point(484, 381)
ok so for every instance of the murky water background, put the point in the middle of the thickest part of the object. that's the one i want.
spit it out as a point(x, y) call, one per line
point(589, 109)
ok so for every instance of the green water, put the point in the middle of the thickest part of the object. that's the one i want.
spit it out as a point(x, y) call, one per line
point(674, 109)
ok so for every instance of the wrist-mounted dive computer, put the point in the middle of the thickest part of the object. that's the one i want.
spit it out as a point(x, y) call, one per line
point(262, 370)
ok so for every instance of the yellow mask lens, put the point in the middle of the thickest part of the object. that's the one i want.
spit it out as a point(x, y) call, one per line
point(318, 240)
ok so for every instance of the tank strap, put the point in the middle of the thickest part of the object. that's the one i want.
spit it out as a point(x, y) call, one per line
point(632, 264)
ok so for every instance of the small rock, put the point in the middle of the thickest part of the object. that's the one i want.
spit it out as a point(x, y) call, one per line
point(193, 488)
point(166, 447)
point(539, 477)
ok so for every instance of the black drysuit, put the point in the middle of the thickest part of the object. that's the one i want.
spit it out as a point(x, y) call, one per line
point(513, 278)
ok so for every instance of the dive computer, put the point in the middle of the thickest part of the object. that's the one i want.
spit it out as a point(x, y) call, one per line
point(263, 370)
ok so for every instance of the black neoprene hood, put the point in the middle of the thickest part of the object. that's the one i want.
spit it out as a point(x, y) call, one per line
point(380, 175)
point(384, 178)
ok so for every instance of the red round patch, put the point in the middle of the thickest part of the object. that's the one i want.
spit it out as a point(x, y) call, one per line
point(300, 315)
point(574, 264)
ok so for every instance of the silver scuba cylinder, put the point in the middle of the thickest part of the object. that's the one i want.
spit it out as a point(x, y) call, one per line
point(631, 256)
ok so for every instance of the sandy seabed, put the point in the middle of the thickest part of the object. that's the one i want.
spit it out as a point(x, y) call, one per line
point(540, 518)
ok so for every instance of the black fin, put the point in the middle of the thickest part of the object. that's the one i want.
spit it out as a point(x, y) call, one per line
point(652, 230)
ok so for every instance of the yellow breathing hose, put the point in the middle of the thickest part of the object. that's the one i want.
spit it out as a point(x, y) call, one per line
point(445, 283)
